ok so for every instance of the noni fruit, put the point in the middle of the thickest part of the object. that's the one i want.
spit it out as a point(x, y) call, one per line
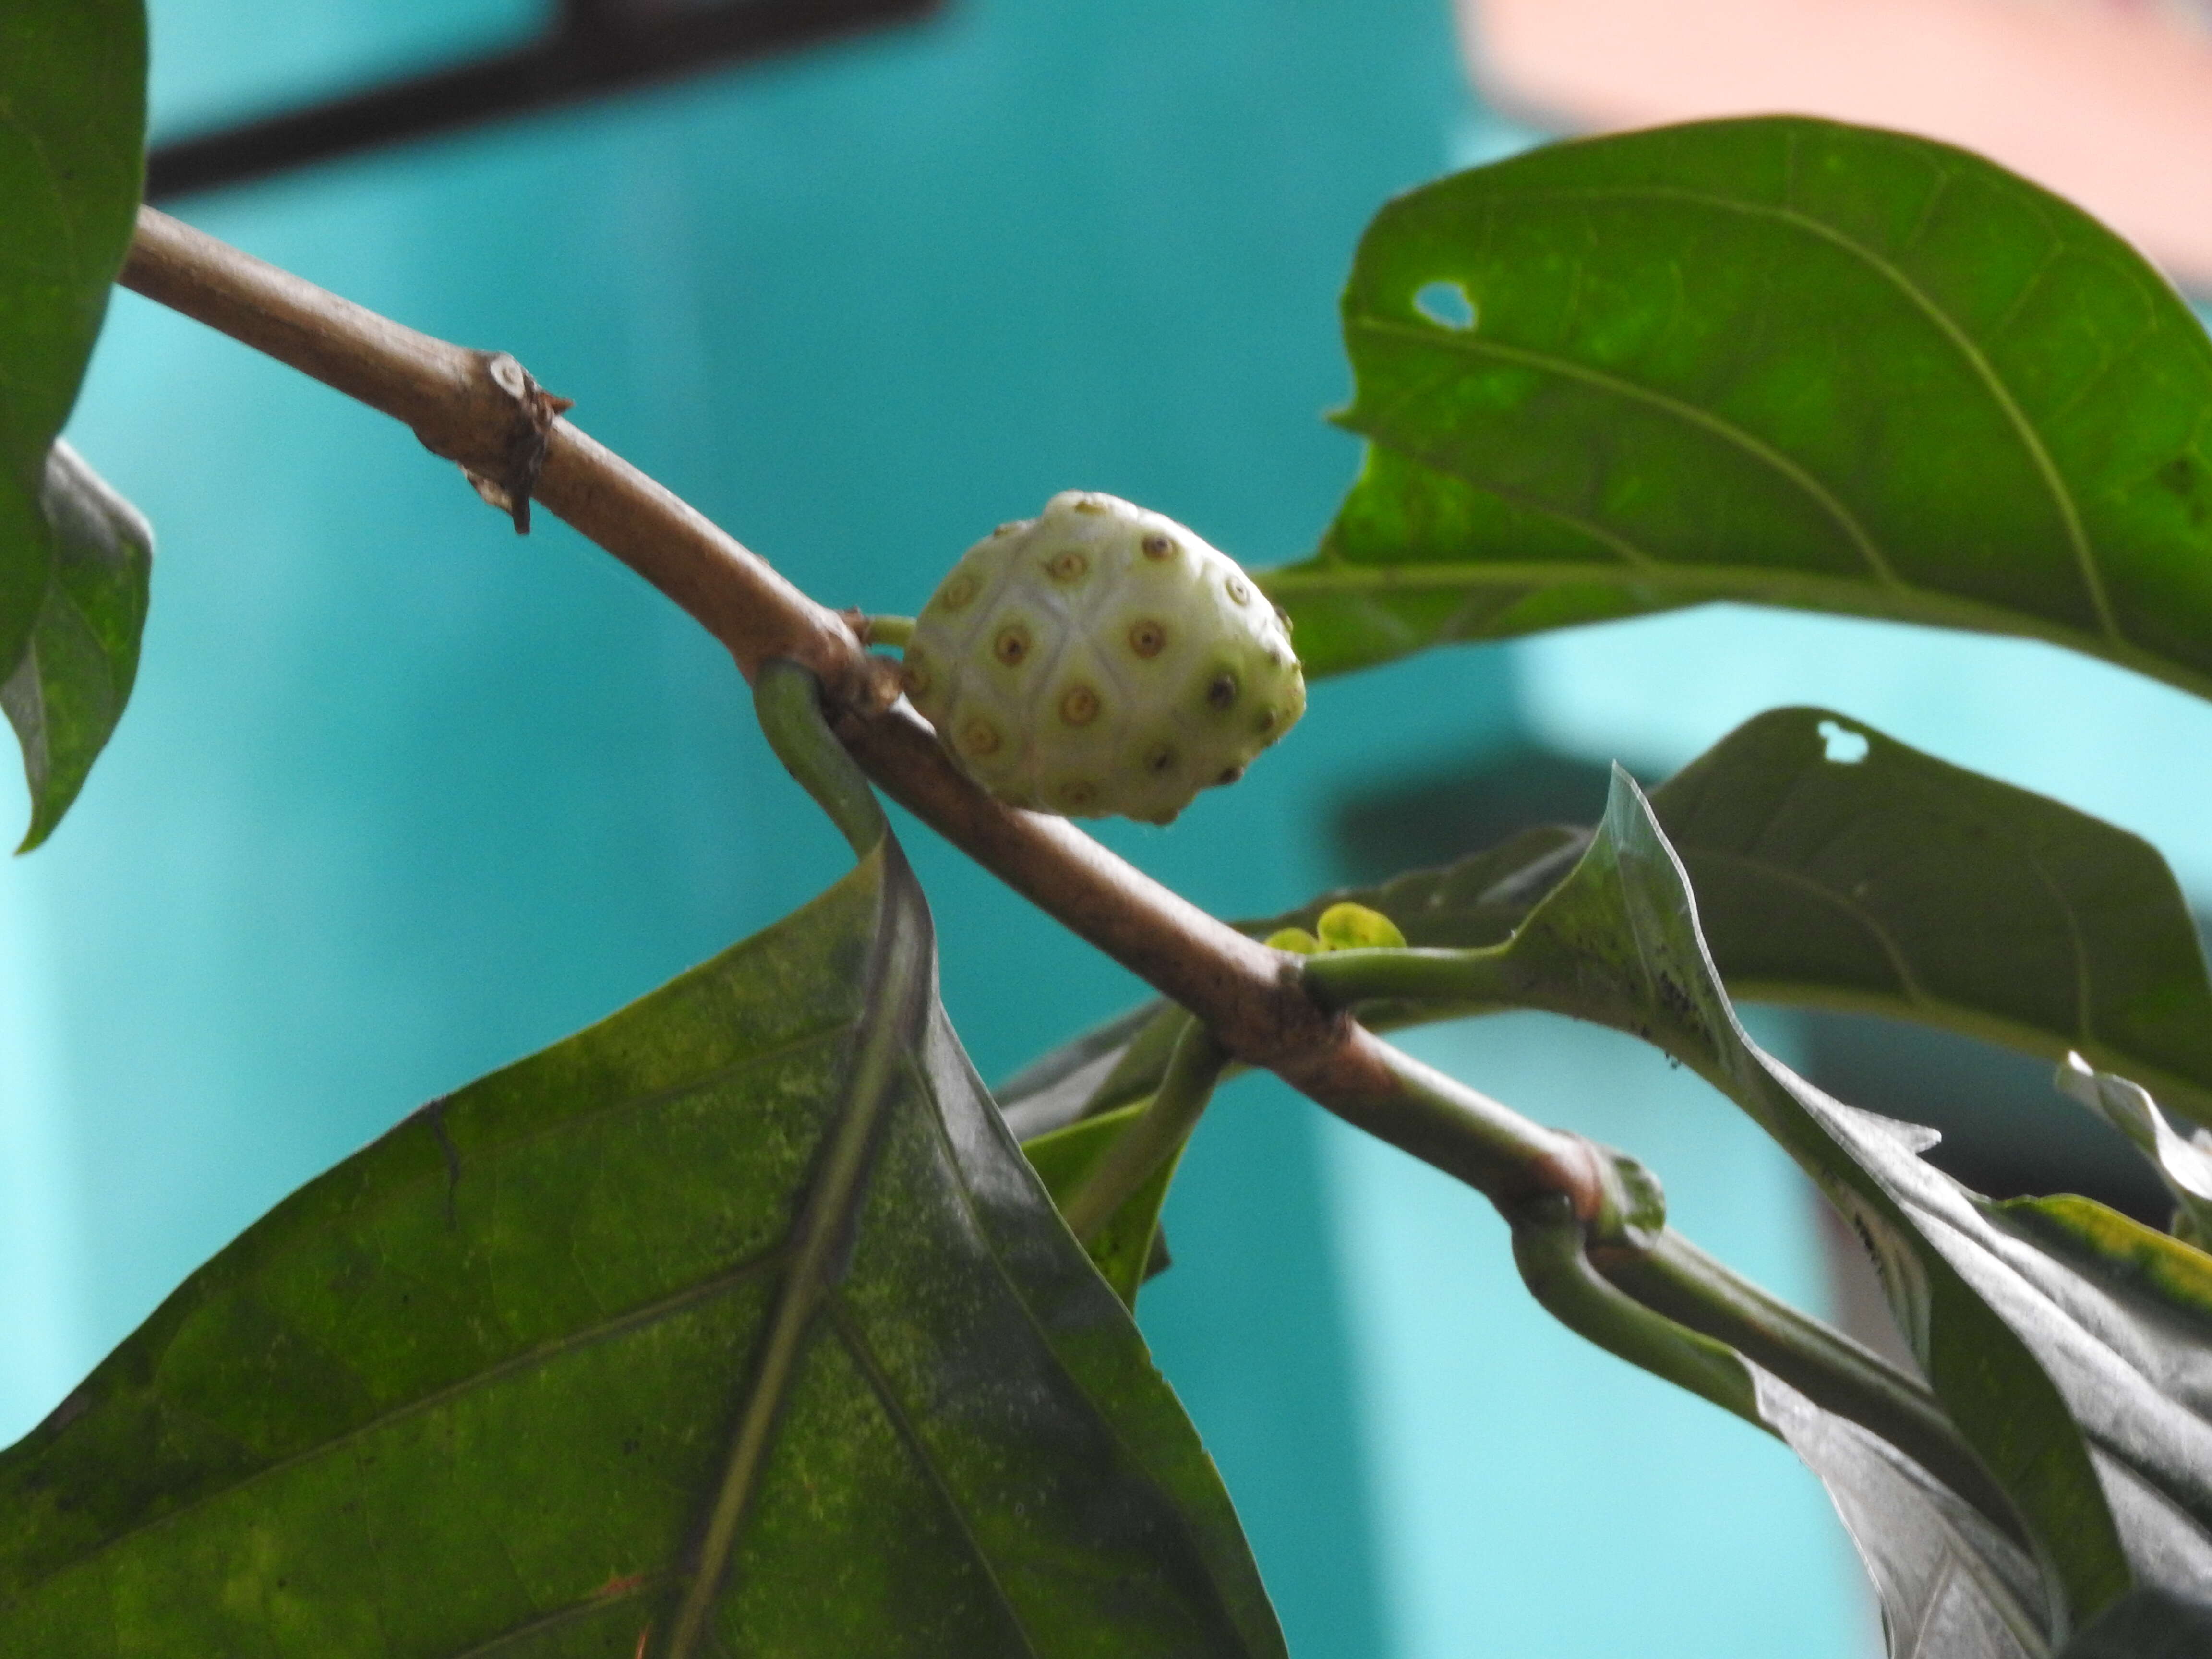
point(1100, 659)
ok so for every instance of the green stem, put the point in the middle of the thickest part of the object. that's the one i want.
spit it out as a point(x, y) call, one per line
point(1462, 1132)
point(890, 630)
point(1463, 979)
point(1675, 1278)
point(1139, 1150)
point(1547, 1247)
point(789, 700)
point(1517, 1164)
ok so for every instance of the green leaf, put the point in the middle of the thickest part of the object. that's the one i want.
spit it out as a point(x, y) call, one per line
point(1884, 881)
point(1128, 1249)
point(72, 556)
point(743, 1298)
point(1110, 1065)
point(1838, 868)
point(1951, 1585)
point(2065, 1341)
point(2182, 1163)
point(69, 685)
point(1777, 360)
point(2148, 1624)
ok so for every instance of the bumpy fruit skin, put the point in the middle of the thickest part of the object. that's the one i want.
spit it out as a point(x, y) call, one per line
point(1100, 659)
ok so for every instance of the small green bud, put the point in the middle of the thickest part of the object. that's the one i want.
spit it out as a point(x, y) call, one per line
point(1296, 940)
point(1356, 927)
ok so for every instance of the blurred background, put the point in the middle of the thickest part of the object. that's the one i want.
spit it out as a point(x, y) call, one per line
point(402, 797)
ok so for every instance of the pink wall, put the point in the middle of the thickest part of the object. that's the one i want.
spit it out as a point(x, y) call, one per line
point(2108, 102)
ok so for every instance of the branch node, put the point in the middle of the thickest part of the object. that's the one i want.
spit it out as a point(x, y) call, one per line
point(532, 412)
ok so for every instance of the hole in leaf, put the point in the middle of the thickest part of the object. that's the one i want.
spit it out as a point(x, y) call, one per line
point(1845, 746)
point(1445, 304)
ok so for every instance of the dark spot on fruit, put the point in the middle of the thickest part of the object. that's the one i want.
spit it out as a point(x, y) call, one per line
point(1265, 722)
point(1221, 693)
point(1078, 705)
point(1156, 546)
point(1283, 617)
point(980, 737)
point(1238, 593)
point(1229, 775)
point(1068, 567)
point(1160, 759)
point(1012, 647)
point(1079, 796)
point(1148, 638)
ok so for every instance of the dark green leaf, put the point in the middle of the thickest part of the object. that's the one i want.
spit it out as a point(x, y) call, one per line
point(1051, 1091)
point(747, 1287)
point(2065, 1341)
point(1951, 1585)
point(74, 677)
point(1127, 1250)
point(1774, 360)
point(2148, 1624)
point(72, 555)
point(1884, 881)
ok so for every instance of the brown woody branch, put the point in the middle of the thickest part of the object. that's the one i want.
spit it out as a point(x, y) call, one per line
point(481, 409)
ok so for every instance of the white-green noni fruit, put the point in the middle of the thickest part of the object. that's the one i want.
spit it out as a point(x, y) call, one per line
point(1100, 659)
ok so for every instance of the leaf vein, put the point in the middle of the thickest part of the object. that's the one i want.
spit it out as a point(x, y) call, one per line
point(1876, 562)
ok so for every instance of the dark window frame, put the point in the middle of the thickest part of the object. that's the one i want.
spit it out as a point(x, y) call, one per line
point(594, 48)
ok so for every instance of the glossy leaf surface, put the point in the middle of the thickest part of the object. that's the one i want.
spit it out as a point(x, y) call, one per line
point(756, 1251)
point(72, 133)
point(1882, 880)
point(2065, 1341)
point(1775, 360)
point(1951, 1585)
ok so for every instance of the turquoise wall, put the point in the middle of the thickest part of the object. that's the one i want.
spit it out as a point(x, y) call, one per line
point(402, 797)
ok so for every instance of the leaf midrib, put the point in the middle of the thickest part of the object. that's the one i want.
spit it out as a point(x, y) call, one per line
point(897, 977)
point(1749, 583)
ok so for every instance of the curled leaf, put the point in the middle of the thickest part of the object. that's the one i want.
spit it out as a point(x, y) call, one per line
point(2183, 1163)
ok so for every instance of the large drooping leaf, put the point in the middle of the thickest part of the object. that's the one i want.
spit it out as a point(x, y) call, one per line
point(2066, 1341)
point(742, 1302)
point(1775, 360)
point(1835, 867)
point(72, 556)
